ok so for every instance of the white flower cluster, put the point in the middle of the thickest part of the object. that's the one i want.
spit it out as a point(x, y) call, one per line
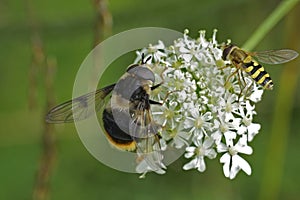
point(200, 114)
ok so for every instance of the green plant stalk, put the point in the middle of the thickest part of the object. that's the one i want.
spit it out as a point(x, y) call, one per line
point(282, 9)
point(276, 149)
point(287, 88)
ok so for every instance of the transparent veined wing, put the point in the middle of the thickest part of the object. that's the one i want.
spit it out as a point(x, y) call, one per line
point(275, 56)
point(145, 132)
point(141, 124)
point(79, 108)
point(150, 161)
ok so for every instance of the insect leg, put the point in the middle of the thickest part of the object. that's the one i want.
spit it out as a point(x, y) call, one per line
point(248, 89)
point(166, 97)
point(155, 102)
point(224, 67)
point(229, 77)
point(156, 86)
point(164, 100)
point(241, 80)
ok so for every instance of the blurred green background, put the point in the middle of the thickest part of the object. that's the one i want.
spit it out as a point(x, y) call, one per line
point(67, 32)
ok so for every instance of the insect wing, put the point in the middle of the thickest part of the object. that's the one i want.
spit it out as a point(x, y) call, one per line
point(144, 131)
point(276, 56)
point(151, 161)
point(79, 108)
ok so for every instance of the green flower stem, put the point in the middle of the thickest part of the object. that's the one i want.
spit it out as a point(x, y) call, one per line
point(283, 8)
point(282, 118)
point(273, 168)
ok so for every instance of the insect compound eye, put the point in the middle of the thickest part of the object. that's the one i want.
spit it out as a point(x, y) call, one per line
point(142, 72)
point(226, 51)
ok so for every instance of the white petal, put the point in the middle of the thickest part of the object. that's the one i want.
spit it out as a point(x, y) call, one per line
point(207, 116)
point(217, 136)
point(234, 170)
point(187, 57)
point(242, 141)
point(183, 50)
point(232, 121)
point(216, 124)
point(208, 142)
point(195, 113)
point(189, 154)
point(241, 130)
point(199, 134)
point(256, 96)
point(163, 144)
point(188, 123)
point(222, 148)
point(190, 149)
point(190, 165)
point(229, 117)
point(226, 160)
point(249, 107)
point(229, 136)
point(243, 164)
point(179, 142)
point(211, 153)
point(181, 96)
point(201, 164)
point(199, 57)
point(160, 45)
point(253, 129)
point(244, 149)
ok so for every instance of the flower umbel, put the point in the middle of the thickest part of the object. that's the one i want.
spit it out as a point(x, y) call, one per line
point(201, 114)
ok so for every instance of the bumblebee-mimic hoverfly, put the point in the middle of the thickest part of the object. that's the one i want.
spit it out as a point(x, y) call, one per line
point(134, 130)
point(243, 60)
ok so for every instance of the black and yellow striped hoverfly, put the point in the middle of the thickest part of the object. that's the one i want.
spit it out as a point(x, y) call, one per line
point(126, 116)
point(244, 61)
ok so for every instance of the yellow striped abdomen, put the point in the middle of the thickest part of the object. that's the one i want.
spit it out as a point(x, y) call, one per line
point(257, 72)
